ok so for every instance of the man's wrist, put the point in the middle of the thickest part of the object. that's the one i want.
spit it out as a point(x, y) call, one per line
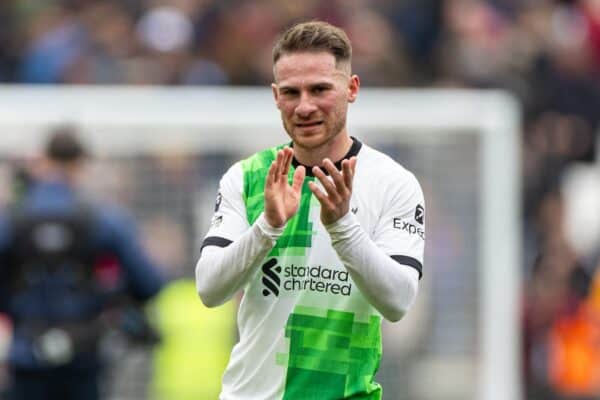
point(267, 229)
point(342, 225)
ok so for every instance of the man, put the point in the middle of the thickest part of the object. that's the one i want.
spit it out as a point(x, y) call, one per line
point(54, 284)
point(324, 236)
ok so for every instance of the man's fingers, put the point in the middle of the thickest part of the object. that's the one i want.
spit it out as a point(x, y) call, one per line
point(348, 168)
point(327, 183)
point(272, 174)
point(336, 175)
point(320, 195)
point(289, 155)
point(347, 174)
point(283, 161)
point(279, 165)
point(299, 175)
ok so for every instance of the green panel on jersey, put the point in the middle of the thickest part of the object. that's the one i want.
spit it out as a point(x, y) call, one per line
point(297, 235)
point(331, 356)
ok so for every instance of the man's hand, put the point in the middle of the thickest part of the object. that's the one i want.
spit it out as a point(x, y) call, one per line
point(281, 198)
point(335, 201)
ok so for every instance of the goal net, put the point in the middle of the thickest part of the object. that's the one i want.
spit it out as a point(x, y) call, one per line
point(161, 152)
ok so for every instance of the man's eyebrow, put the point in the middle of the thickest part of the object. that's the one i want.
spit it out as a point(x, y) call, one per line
point(287, 88)
point(322, 84)
point(310, 85)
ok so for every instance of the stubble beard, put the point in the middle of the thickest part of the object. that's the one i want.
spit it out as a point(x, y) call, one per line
point(337, 128)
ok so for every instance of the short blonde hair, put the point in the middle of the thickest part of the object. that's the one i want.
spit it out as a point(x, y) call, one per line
point(314, 36)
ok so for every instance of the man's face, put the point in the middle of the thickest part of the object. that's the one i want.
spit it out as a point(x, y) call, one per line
point(313, 95)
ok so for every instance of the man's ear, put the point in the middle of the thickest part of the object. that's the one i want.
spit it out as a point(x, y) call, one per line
point(353, 87)
point(275, 93)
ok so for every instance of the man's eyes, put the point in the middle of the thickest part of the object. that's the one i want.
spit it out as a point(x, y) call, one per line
point(289, 92)
point(293, 92)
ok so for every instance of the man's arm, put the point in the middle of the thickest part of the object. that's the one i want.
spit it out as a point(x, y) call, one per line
point(390, 283)
point(225, 266)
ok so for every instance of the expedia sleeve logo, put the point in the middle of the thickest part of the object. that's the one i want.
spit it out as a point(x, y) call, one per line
point(410, 226)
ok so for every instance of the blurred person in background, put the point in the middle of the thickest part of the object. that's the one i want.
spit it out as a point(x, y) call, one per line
point(56, 281)
point(557, 357)
point(561, 329)
point(318, 273)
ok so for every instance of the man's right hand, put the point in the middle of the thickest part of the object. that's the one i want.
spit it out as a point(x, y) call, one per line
point(281, 198)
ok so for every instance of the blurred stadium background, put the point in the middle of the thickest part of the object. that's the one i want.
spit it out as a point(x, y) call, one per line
point(545, 53)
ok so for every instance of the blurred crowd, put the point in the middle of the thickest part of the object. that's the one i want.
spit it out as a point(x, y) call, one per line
point(545, 52)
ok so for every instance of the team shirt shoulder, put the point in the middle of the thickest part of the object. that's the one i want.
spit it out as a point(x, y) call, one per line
point(378, 164)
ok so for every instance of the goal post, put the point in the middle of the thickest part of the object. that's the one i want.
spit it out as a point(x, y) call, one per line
point(463, 145)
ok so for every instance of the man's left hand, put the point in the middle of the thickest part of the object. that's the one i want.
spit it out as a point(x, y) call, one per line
point(337, 189)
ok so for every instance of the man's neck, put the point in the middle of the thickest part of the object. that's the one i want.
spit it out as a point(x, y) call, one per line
point(335, 149)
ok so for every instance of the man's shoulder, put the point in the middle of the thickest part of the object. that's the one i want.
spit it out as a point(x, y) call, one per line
point(377, 163)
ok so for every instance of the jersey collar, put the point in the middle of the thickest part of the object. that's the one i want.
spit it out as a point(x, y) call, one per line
point(354, 149)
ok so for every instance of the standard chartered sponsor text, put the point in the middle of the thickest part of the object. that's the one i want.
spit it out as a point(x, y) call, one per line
point(317, 279)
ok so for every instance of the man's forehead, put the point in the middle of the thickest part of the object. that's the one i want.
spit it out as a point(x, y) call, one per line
point(307, 66)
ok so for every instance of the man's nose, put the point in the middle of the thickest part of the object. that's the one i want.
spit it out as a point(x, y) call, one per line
point(306, 106)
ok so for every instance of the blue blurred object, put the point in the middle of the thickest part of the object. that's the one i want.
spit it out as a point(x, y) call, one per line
point(49, 56)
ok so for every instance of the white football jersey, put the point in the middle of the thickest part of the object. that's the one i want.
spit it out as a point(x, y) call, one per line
point(306, 331)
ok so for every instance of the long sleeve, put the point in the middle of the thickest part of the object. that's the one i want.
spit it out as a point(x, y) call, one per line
point(225, 267)
point(389, 285)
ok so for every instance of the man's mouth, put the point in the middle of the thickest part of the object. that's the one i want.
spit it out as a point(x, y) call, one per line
point(308, 124)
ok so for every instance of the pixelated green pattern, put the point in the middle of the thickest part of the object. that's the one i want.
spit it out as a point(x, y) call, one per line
point(332, 356)
point(298, 233)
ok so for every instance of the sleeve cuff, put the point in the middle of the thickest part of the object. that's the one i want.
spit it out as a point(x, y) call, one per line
point(342, 225)
point(268, 230)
